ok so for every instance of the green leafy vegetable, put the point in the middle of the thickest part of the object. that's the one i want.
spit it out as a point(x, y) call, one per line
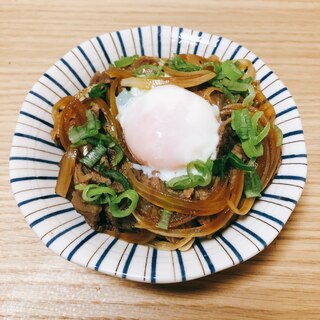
point(131, 196)
point(177, 63)
point(98, 91)
point(126, 61)
point(164, 219)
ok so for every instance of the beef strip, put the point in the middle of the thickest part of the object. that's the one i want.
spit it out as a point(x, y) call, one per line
point(100, 77)
point(91, 212)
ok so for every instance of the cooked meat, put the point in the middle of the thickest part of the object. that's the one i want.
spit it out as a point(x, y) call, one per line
point(187, 193)
point(227, 138)
point(202, 193)
point(91, 212)
point(100, 77)
point(79, 176)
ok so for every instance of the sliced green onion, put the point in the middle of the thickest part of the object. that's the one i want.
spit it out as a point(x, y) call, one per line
point(279, 135)
point(148, 71)
point(236, 162)
point(116, 176)
point(126, 61)
point(118, 155)
point(181, 183)
point(248, 100)
point(179, 64)
point(89, 129)
point(80, 186)
point(231, 71)
point(252, 183)
point(219, 167)
point(133, 198)
point(241, 123)
point(98, 91)
point(96, 194)
point(164, 219)
point(263, 133)
point(199, 173)
point(251, 150)
point(104, 139)
point(94, 156)
point(235, 85)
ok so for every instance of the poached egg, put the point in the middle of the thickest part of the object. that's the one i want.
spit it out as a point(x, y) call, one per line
point(167, 127)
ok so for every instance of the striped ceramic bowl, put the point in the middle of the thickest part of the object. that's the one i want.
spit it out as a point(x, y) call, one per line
point(34, 165)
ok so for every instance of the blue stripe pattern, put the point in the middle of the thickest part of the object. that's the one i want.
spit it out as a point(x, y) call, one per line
point(104, 254)
point(121, 44)
point(49, 196)
point(41, 97)
point(34, 160)
point(73, 72)
point(87, 59)
point(197, 44)
point(292, 133)
point(36, 118)
point(49, 243)
point(50, 215)
point(292, 156)
point(57, 84)
point(253, 234)
point(179, 40)
point(287, 177)
point(181, 264)
point(103, 50)
point(141, 41)
point(286, 111)
point(205, 256)
point(233, 249)
point(216, 46)
point(273, 196)
point(128, 261)
point(27, 136)
point(255, 60)
point(277, 93)
point(235, 52)
point(266, 76)
point(154, 265)
point(80, 244)
point(159, 41)
point(32, 178)
point(267, 216)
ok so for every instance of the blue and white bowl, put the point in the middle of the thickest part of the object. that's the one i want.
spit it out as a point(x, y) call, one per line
point(34, 165)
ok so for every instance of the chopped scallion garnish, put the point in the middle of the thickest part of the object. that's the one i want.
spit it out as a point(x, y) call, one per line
point(148, 71)
point(94, 156)
point(126, 61)
point(131, 196)
point(164, 219)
